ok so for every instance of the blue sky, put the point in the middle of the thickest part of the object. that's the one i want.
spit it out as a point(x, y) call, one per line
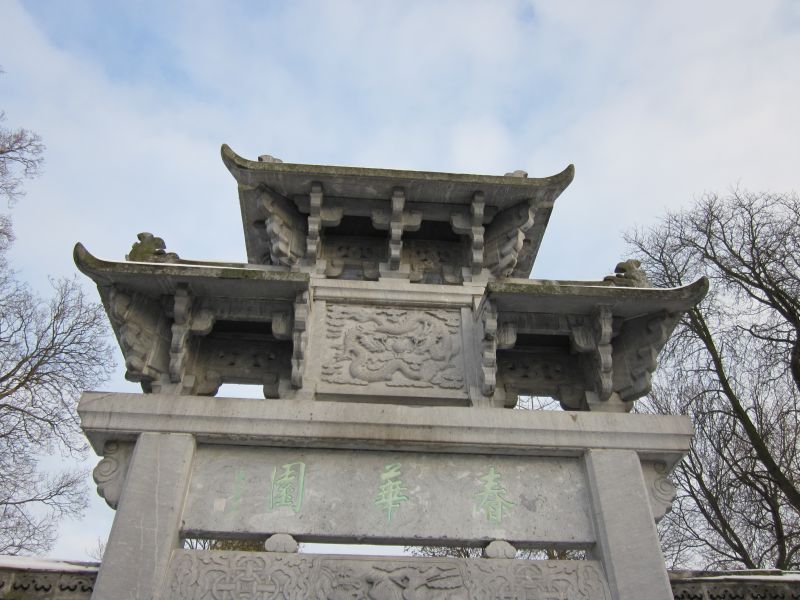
point(654, 103)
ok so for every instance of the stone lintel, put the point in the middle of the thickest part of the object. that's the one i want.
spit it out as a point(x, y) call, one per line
point(319, 424)
point(397, 293)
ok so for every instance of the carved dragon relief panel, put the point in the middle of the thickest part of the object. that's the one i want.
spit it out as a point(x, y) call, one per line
point(210, 575)
point(371, 346)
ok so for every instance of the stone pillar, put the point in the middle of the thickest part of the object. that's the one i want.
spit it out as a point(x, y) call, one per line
point(147, 525)
point(627, 541)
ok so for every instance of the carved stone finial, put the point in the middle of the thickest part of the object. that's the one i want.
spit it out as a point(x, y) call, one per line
point(281, 542)
point(517, 173)
point(268, 158)
point(150, 248)
point(499, 549)
point(629, 274)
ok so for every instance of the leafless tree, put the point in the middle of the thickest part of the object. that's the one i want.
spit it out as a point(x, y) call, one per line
point(733, 365)
point(20, 157)
point(50, 351)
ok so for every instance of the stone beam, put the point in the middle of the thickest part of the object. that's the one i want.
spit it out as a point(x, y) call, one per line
point(116, 416)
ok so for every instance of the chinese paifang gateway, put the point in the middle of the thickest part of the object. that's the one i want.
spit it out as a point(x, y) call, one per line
point(387, 286)
point(366, 291)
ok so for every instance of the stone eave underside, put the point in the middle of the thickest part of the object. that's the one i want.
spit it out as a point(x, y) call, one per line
point(247, 324)
point(492, 209)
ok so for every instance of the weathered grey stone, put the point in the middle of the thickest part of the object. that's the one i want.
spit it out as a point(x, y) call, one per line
point(281, 542)
point(224, 575)
point(627, 541)
point(603, 348)
point(388, 497)
point(340, 425)
point(387, 292)
point(147, 525)
point(499, 549)
point(110, 472)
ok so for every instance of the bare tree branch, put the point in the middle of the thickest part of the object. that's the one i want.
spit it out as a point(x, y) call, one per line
point(733, 365)
point(50, 351)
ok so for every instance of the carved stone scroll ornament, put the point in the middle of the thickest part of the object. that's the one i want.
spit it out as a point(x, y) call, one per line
point(393, 347)
point(662, 491)
point(143, 333)
point(109, 474)
point(225, 575)
point(505, 237)
point(592, 339)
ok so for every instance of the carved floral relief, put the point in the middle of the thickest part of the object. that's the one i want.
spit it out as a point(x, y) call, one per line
point(228, 575)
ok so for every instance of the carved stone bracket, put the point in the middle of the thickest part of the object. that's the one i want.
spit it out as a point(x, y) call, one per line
point(636, 351)
point(505, 237)
point(314, 222)
point(662, 491)
point(473, 227)
point(302, 312)
point(284, 228)
point(282, 325)
point(592, 338)
point(488, 317)
point(143, 334)
point(109, 474)
point(397, 221)
point(319, 217)
point(187, 322)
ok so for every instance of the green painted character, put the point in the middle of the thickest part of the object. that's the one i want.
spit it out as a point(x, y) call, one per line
point(391, 492)
point(286, 486)
point(492, 497)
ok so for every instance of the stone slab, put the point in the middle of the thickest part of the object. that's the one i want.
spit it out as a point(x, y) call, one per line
point(225, 575)
point(147, 524)
point(388, 497)
point(119, 416)
point(627, 540)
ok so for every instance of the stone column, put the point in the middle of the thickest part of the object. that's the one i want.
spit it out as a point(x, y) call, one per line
point(627, 541)
point(147, 525)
